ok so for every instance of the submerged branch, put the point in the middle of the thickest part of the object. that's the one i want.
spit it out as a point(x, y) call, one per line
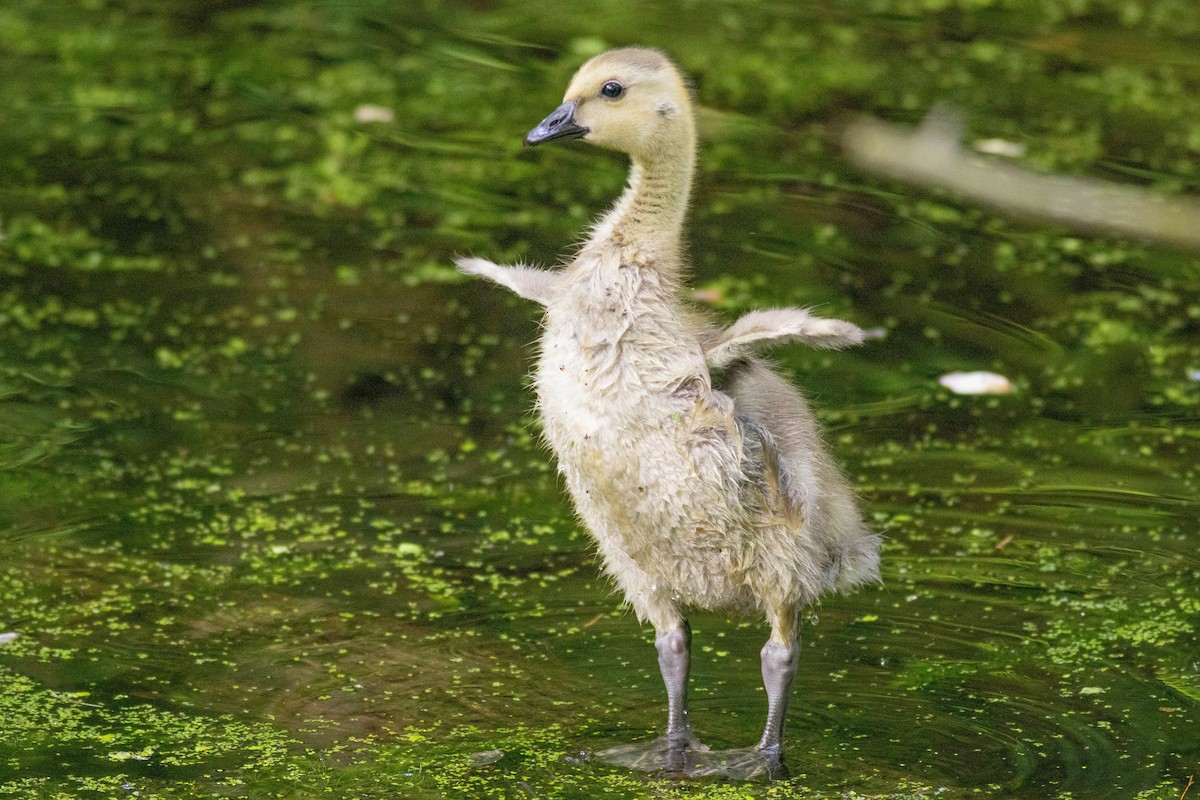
point(933, 156)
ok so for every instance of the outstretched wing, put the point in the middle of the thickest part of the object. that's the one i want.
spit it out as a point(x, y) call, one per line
point(539, 285)
point(775, 326)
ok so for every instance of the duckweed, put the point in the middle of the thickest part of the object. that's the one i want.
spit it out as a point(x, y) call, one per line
point(276, 519)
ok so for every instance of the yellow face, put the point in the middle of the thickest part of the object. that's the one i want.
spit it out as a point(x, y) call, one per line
point(632, 100)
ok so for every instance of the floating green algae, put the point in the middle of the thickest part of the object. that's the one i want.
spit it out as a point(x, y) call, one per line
point(275, 516)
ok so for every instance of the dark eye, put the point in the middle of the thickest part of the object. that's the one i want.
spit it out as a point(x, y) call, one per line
point(612, 90)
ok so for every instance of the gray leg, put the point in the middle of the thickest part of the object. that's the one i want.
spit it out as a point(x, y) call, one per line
point(674, 661)
point(779, 658)
point(677, 749)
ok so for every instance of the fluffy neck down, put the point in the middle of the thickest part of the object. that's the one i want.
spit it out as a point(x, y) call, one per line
point(646, 223)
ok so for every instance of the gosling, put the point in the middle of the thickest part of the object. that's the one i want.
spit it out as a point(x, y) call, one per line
point(717, 497)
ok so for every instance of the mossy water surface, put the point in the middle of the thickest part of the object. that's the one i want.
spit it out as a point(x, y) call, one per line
point(275, 519)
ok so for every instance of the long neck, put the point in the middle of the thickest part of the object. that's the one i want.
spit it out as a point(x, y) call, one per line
point(646, 223)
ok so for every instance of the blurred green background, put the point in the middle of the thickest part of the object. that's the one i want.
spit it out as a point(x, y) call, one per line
point(274, 515)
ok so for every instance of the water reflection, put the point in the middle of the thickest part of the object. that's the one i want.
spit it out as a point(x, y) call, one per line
point(271, 495)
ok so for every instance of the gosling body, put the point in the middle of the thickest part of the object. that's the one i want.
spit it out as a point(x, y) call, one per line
point(718, 497)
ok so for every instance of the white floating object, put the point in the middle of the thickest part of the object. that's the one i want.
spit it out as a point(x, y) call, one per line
point(5, 638)
point(878, 332)
point(976, 383)
point(1194, 375)
point(1000, 147)
point(368, 113)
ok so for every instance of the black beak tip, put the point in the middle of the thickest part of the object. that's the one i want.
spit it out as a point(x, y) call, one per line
point(559, 125)
point(539, 135)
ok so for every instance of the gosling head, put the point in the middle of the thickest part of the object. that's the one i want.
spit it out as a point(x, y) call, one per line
point(632, 99)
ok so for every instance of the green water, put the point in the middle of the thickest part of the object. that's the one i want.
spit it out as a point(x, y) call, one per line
point(275, 522)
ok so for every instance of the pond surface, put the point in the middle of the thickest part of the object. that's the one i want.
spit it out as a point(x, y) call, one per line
point(275, 518)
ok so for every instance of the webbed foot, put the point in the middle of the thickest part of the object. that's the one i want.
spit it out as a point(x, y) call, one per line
point(691, 758)
point(739, 764)
point(664, 754)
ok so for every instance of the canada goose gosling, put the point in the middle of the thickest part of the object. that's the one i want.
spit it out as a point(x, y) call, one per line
point(697, 496)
